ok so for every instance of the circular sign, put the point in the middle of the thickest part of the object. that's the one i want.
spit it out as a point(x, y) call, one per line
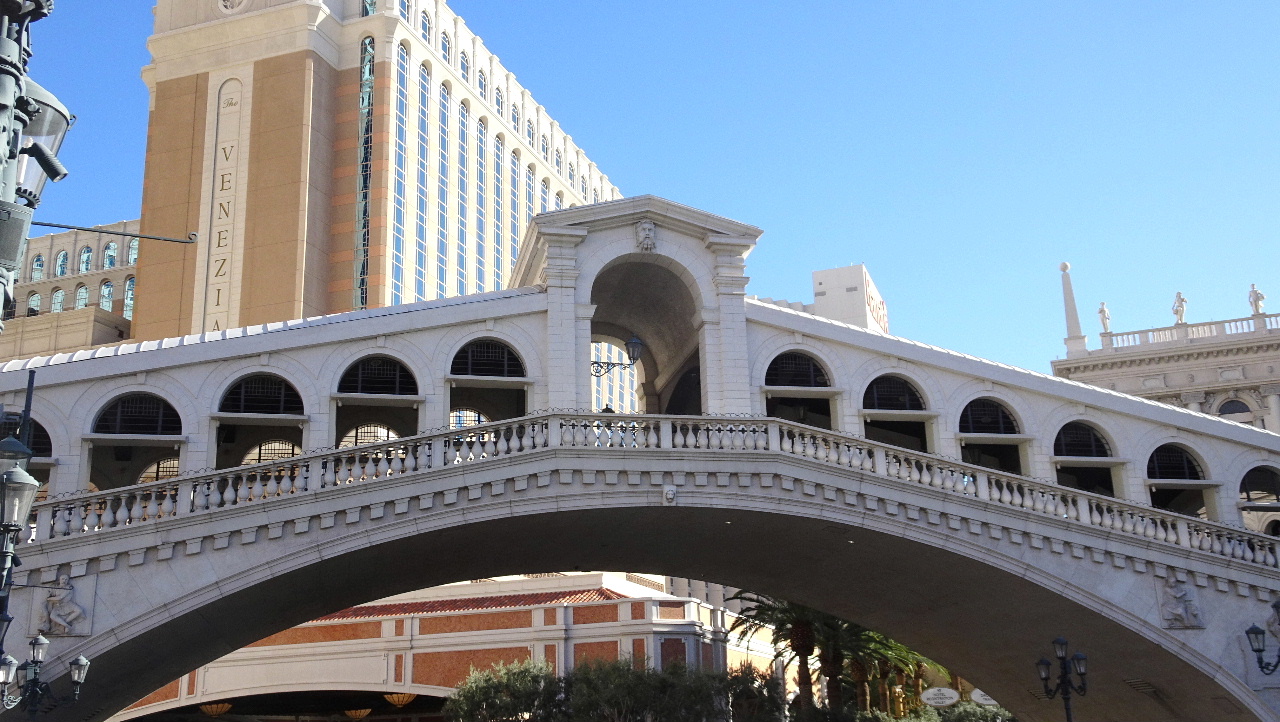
point(939, 696)
point(981, 697)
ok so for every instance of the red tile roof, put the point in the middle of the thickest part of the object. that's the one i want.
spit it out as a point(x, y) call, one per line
point(436, 606)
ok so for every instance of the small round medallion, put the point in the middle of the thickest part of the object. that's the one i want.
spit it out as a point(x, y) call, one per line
point(231, 6)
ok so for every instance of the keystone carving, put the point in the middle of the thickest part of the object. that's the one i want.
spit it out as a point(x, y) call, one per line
point(230, 6)
point(646, 235)
point(1178, 607)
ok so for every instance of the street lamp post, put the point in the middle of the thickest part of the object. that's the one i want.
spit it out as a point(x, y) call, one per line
point(1257, 637)
point(1065, 686)
point(32, 126)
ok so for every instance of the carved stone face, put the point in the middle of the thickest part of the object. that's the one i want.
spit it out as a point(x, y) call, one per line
point(230, 6)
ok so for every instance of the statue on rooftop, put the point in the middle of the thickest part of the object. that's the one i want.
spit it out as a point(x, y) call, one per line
point(1104, 315)
point(1179, 308)
point(1256, 298)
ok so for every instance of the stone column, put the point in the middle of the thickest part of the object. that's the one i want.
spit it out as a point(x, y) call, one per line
point(726, 374)
point(1271, 396)
point(564, 361)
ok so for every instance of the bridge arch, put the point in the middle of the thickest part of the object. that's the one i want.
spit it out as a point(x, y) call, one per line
point(969, 628)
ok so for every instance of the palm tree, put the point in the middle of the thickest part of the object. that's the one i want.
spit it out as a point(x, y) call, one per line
point(789, 623)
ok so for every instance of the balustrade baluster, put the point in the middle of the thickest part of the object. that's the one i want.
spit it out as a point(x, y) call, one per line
point(503, 446)
point(228, 495)
point(396, 467)
point(61, 522)
point(153, 504)
point(122, 511)
point(84, 511)
point(94, 520)
point(369, 469)
point(650, 435)
point(384, 464)
point(274, 479)
point(258, 490)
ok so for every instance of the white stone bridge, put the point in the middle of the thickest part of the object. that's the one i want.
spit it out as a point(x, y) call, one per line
point(971, 510)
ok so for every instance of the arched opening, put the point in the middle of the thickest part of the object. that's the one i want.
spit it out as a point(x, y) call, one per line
point(256, 410)
point(271, 450)
point(1236, 410)
point(1082, 459)
point(1260, 499)
point(129, 435)
point(636, 297)
point(166, 468)
point(1174, 478)
point(376, 391)
point(893, 412)
point(989, 436)
point(616, 388)
point(488, 375)
point(797, 389)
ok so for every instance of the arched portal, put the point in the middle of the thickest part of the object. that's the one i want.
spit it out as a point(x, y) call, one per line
point(130, 434)
point(796, 389)
point(1082, 459)
point(990, 436)
point(894, 412)
point(376, 391)
point(255, 411)
point(1176, 481)
point(1260, 499)
point(489, 377)
point(637, 296)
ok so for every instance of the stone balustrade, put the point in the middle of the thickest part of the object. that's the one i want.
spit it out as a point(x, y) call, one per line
point(1189, 332)
point(102, 512)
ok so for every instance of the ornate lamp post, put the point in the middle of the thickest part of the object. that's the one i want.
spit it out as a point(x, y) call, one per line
point(1065, 686)
point(1257, 637)
point(634, 347)
point(17, 492)
point(32, 126)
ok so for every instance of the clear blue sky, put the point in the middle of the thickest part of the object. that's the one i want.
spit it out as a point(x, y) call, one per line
point(962, 150)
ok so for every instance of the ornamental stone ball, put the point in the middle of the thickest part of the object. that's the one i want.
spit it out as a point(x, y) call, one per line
point(1064, 267)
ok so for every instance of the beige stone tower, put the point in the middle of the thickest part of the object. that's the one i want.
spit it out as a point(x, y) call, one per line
point(335, 155)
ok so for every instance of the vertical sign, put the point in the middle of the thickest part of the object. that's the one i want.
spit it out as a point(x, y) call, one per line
point(222, 239)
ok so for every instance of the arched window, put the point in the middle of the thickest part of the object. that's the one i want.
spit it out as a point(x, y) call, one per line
point(57, 300)
point(378, 375)
point(497, 101)
point(583, 186)
point(1173, 462)
point(545, 198)
point(482, 83)
point(261, 394)
point(404, 9)
point(445, 51)
point(559, 200)
point(60, 264)
point(41, 444)
point(368, 7)
point(1078, 439)
point(127, 311)
point(515, 117)
point(110, 254)
point(572, 175)
point(82, 296)
point(131, 256)
point(367, 434)
point(559, 162)
point(487, 358)
point(272, 450)
point(37, 267)
point(33, 304)
point(1260, 486)
point(546, 148)
point(892, 393)
point(462, 418)
point(424, 26)
point(464, 62)
point(984, 416)
point(86, 260)
point(795, 369)
point(1233, 406)
point(528, 130)
point(105, 293)
point(141, 413)
point(595, 196)
point(161, 470)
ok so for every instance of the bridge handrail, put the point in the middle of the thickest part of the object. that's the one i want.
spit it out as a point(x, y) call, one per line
point(313, 472)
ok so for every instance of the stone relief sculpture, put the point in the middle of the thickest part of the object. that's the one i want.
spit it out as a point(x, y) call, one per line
point(646, 236)
point(1178, 608)
point(1256, 298)
point(1104, 316)
point(1179, 308)
point(60, 612)
point(230, 6)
